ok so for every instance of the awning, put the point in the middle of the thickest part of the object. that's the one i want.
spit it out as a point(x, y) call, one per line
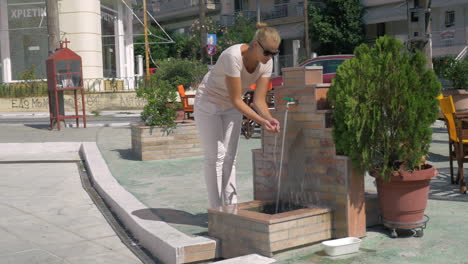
point(385, 13)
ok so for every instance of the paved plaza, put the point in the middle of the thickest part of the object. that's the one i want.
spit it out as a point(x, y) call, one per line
point(47, 216)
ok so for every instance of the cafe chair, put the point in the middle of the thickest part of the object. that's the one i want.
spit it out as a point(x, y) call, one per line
point(458, 138)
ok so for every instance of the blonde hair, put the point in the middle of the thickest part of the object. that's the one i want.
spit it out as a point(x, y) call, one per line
point(265, 33)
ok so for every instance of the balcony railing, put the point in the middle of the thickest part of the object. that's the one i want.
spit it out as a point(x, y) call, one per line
point(90, 85)
point(230, 20)
point(284, 10)
point(175, 5)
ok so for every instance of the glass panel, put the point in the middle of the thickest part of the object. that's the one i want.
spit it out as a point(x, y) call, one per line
point(61, 66)
point(68, 80)
point(332, 66)
point(75, 66)
point(76, 79)
point(315, 63)
point(1, 66)
point(27, 25)
point(108, 21)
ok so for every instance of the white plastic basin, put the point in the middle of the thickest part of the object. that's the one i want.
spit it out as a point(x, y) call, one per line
point(341, 246)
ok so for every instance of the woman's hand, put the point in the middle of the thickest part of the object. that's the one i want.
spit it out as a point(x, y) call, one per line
point(271, 125)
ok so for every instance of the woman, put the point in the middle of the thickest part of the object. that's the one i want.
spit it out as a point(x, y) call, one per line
point(219, 108)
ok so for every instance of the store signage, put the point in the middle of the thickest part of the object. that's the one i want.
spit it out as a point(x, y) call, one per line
point(28, 12)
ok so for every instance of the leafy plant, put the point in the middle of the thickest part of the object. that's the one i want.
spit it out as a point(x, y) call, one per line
point(336, 26)
point(29, 74)
point(160, 109)
point(161, 90)
point(456, 71)
point(384, 104)
point(181, 71)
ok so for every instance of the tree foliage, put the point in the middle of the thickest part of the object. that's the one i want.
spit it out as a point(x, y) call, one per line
point(384, 104)
point(336, 26)
point(187, 46)
point(456, 71)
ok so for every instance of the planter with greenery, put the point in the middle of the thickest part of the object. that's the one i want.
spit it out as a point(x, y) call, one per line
point(456, 73)
point(384, 104)
point(160, 136)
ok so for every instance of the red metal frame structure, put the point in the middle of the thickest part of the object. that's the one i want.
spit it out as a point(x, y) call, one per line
point(64, 73)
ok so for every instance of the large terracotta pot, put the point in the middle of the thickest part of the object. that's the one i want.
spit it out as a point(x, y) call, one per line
point(460, 99)
point(403, 200)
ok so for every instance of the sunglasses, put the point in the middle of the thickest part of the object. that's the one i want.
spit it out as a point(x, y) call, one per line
point(267, 52)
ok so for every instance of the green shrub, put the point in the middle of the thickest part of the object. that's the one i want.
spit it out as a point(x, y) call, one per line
point(384, 104)
point(456, 71)
point(161, 90)
point(23, 89)
point(179, 71)
point(160, 109)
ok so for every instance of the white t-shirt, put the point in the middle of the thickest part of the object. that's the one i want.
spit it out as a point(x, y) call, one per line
point(213, 87)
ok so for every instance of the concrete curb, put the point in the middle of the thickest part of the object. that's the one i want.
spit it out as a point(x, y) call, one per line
point(161, 239)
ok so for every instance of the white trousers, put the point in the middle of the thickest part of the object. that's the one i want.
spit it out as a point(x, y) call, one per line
point(219, 131)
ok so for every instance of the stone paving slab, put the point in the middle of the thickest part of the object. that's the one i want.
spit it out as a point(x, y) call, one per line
point(47, 217)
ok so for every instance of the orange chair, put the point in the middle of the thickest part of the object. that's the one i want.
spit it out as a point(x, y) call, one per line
point(184, 98)
point(458, 143)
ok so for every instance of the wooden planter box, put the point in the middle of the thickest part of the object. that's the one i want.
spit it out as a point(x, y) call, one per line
point(155, 143)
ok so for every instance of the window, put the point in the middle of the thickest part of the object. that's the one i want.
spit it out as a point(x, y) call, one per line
point(449, 18)
point(332, 66)
point(414, 17)
point(380, 29)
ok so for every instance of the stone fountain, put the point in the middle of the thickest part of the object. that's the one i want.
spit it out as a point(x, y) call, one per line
point(327, 194)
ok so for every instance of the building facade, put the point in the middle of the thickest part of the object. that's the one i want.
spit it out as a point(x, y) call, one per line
point(405, 20)
point(100, 31)
point(284, 15)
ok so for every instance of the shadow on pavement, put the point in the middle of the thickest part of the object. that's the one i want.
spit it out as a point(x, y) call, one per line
point(40, 126)
point(126, 154)
point(172, 216)
point(442, 189)
point(434, 157)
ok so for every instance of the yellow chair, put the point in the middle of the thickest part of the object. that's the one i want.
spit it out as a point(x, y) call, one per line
point(458, 142)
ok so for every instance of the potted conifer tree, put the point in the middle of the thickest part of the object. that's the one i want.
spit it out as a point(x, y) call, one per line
point(384, 104)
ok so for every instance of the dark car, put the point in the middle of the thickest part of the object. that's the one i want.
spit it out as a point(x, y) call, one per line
point(329, 63)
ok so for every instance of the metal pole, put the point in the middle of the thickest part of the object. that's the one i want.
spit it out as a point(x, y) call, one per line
point(53, 25)
point(306, 30)
point(202, 31)
point(258, 11)
point(53, 30)
point(145, 19)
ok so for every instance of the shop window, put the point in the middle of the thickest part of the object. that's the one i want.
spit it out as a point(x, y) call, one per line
point(449, 18)
point(27, 30)
point(108, 19)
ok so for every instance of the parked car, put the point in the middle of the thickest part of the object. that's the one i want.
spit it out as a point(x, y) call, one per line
point(330, 64)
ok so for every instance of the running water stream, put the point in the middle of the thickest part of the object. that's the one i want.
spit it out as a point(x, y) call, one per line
point(290, 102)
